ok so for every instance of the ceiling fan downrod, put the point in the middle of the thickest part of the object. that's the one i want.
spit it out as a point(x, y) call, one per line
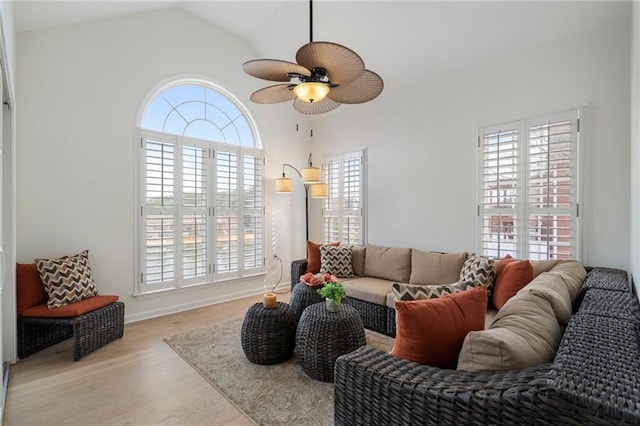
point(310, 21)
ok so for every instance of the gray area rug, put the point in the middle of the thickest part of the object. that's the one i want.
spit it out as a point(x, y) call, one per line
point(280, 394)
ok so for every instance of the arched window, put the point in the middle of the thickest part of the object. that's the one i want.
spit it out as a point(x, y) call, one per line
point(200, 188)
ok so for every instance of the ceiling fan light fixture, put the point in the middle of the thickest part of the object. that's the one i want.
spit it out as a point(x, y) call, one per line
point(311, 91)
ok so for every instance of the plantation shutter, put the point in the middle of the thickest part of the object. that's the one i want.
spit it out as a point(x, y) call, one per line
point(228, 230)
point(499, 204)
point(528, 203)
point(252, 212)
point(343, 212)
point(159, 211)
point(553, 180)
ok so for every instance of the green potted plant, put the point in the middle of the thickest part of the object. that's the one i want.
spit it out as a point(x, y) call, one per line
point(333, 291)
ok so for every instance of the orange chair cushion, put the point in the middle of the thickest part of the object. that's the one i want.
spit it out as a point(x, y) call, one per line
point(313, 256)
point(431, 331)
point(71, 310)
point(30, 290)
point(511, 277)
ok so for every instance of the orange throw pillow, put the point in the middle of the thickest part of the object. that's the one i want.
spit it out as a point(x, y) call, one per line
point(511, 276)
point(431, 331)
point(313, 256)
point(30, 290)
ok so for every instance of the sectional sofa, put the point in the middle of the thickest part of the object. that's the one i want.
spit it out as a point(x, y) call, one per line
point(593, 378)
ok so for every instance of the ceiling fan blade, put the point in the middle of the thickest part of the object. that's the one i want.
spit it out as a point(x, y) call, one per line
point(341, 63)
point(273, 69)
point(363, 89)
point(319, 107)
point(273, 94)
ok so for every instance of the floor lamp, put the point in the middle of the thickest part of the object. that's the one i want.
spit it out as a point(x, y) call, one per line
point(310, 176)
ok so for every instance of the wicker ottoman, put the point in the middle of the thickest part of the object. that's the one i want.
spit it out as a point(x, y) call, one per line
point(302, 296)
point(268, 335)
point(323, 336)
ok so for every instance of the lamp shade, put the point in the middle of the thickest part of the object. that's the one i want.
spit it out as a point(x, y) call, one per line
point(319, 190)
point(284, 185)
point(310, 175)
point(311, 91)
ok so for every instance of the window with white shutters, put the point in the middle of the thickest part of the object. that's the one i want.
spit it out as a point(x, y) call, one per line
point(201, 214)
point(529, 196)
point(343, 212)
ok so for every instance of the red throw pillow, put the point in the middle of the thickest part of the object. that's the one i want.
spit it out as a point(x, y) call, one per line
point(313, 256)
point(30, 290)
point(431, 331)
point(511, 276)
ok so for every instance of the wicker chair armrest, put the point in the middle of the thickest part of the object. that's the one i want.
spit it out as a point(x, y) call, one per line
point(373, 387)
point(298, 269)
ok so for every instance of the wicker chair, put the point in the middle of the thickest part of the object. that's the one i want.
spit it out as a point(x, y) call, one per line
point(594, 378)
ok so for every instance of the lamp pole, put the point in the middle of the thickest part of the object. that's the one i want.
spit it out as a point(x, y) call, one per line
point(306, 197)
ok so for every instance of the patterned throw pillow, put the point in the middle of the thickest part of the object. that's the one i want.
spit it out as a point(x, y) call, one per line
point(336, 261)
point(67, 280)
point(479, 270)
point(403, 292)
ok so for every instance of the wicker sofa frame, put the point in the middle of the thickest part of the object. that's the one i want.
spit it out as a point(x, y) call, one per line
point(594, 378)
point(89, 331)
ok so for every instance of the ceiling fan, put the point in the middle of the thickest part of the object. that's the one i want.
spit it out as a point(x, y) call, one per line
point(325, 76)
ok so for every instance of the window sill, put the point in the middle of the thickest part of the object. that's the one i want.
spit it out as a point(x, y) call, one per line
point(190, 287)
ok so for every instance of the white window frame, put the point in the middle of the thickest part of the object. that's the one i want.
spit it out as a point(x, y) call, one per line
point(178, 210)
point(341, 213)
point(521, 208)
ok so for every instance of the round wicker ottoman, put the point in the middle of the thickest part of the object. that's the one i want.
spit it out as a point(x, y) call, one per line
point(268, 335)
point(323, 336)
point(302, 296)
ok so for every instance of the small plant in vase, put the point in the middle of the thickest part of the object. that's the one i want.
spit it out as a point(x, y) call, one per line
point(333, 291)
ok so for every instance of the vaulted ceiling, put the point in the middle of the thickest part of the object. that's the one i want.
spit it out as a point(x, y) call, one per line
point(401, 40)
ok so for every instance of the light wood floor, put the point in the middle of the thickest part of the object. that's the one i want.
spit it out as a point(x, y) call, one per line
point(137, 380)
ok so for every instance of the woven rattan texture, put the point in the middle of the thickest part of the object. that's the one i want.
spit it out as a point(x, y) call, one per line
point(302, 296)
point(298, 269)
point(268, 334)
point(607, 279)
point(391, 322)
point(610, 303)
point(90, 331)
point(373, 316)
point(323, 336)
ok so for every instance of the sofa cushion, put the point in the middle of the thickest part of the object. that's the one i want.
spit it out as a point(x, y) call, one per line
point(435, 268)
point(572, 273)
point(313, 256)
point(389, 263)
point(479, 270)
point(431, 331)
point(71, 310)
point(553, 289)
point(30, 290)
point(511, 276)
point(336, 261)
point(67, 280)
point(357, 260)
point(524, 333)
point(368, 289)
point(404, 292)
point(540, 266)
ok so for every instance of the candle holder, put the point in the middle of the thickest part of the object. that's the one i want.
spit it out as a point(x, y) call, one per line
point(269, 300)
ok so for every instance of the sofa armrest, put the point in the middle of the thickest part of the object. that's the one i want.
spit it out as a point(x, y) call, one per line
point(373, 387)
point(298, 269)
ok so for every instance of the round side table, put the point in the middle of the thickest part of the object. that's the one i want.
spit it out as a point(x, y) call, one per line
point(268, 335)
point(323, 336)
point(302, 296)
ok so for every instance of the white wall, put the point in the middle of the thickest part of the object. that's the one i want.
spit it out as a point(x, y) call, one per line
point(635, 146)
point(421, 141)
point(79, 89)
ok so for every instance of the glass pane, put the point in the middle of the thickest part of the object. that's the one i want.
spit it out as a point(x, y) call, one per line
point(550, 237)
point(499, 235)
point(194, 176)
point(252, 239)
point(500, 170)
point(227, 180)
point(159, 255)
point(159, 174)
point(194, 246)
point(252, 180)
point(227, 247)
